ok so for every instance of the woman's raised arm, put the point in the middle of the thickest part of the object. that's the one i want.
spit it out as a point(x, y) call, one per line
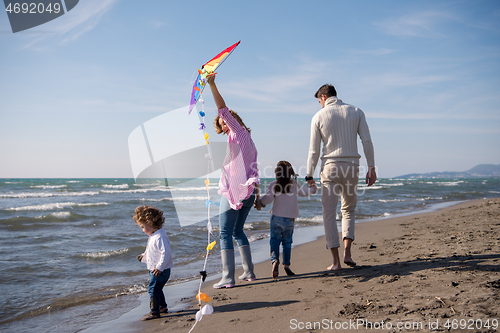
point(219, 101)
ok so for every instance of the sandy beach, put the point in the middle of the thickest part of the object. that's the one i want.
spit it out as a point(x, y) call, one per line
point(425, 272)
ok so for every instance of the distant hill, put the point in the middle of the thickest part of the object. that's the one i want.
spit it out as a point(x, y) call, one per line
point(479, 171)
point(482, 170)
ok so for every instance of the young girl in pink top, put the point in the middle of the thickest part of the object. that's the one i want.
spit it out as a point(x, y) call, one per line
point(283, 193)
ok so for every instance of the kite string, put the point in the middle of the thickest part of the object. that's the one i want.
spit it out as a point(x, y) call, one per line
point(192, 328)
point(209, 224)
point(207, 183)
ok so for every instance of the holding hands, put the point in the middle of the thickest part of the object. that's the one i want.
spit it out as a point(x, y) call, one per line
point(256, 204)
point(312, 183)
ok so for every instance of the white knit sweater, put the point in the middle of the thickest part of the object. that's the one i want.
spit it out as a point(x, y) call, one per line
point(337, 126)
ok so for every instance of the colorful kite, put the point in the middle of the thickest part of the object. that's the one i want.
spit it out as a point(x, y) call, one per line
point(207, 70)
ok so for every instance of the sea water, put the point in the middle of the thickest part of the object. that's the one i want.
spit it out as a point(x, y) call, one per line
point(68, 247)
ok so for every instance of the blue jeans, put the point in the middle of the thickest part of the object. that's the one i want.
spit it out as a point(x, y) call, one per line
point(155, 289)
point(231, 223)
point(281, 232)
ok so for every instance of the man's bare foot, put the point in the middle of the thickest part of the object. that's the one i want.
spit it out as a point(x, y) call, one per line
point(288, 271)
point(347, 252)
point(333, 267)
point(349, 262)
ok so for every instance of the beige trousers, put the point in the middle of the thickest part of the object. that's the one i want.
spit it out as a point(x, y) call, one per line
point(339, 179)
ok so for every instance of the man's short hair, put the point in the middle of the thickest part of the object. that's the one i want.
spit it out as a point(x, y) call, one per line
point(327, 89)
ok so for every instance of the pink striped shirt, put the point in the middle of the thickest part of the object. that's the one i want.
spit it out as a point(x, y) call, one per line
point(239, 173)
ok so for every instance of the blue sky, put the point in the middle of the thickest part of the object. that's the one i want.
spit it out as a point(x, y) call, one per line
point(426, 74)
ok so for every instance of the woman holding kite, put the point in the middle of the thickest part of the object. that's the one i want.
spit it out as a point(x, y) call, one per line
point(238, 186)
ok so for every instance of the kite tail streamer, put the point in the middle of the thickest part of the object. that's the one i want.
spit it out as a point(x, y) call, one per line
point(207, 309)
point(196, 95)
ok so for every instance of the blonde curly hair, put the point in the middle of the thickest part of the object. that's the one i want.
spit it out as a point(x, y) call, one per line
point(149, 215)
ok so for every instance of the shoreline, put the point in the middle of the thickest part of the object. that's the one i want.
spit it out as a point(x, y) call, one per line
point(183, 293)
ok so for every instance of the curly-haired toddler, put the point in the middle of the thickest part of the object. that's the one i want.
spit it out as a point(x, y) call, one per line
point(157, 256)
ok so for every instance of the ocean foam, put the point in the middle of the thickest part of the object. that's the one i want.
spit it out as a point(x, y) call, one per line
point(187, 198)
point(451, 183)
point(256, 237)
point(61, 215)
point(45, 187)
point(57, 205)
point(156, 188)
point(104, 254)
point(142, 190)
point(135, 289)
point(199, 188)
point(88, 204)
point(158, 183)
point(315, 219)
point(115, 186)
point(373, 187)
point(24, 195)
point(395, 184)
point(390, 200)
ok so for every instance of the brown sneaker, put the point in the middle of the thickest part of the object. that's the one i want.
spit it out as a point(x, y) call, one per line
point(164, 310)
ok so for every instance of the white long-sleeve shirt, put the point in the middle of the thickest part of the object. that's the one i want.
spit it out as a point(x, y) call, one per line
point(337, 125)
point(158, 254)
point(285, 204)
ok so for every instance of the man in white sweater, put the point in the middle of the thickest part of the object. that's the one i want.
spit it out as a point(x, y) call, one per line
point(337, 125)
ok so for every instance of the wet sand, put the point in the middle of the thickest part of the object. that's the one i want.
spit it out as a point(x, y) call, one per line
point(415, 273)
